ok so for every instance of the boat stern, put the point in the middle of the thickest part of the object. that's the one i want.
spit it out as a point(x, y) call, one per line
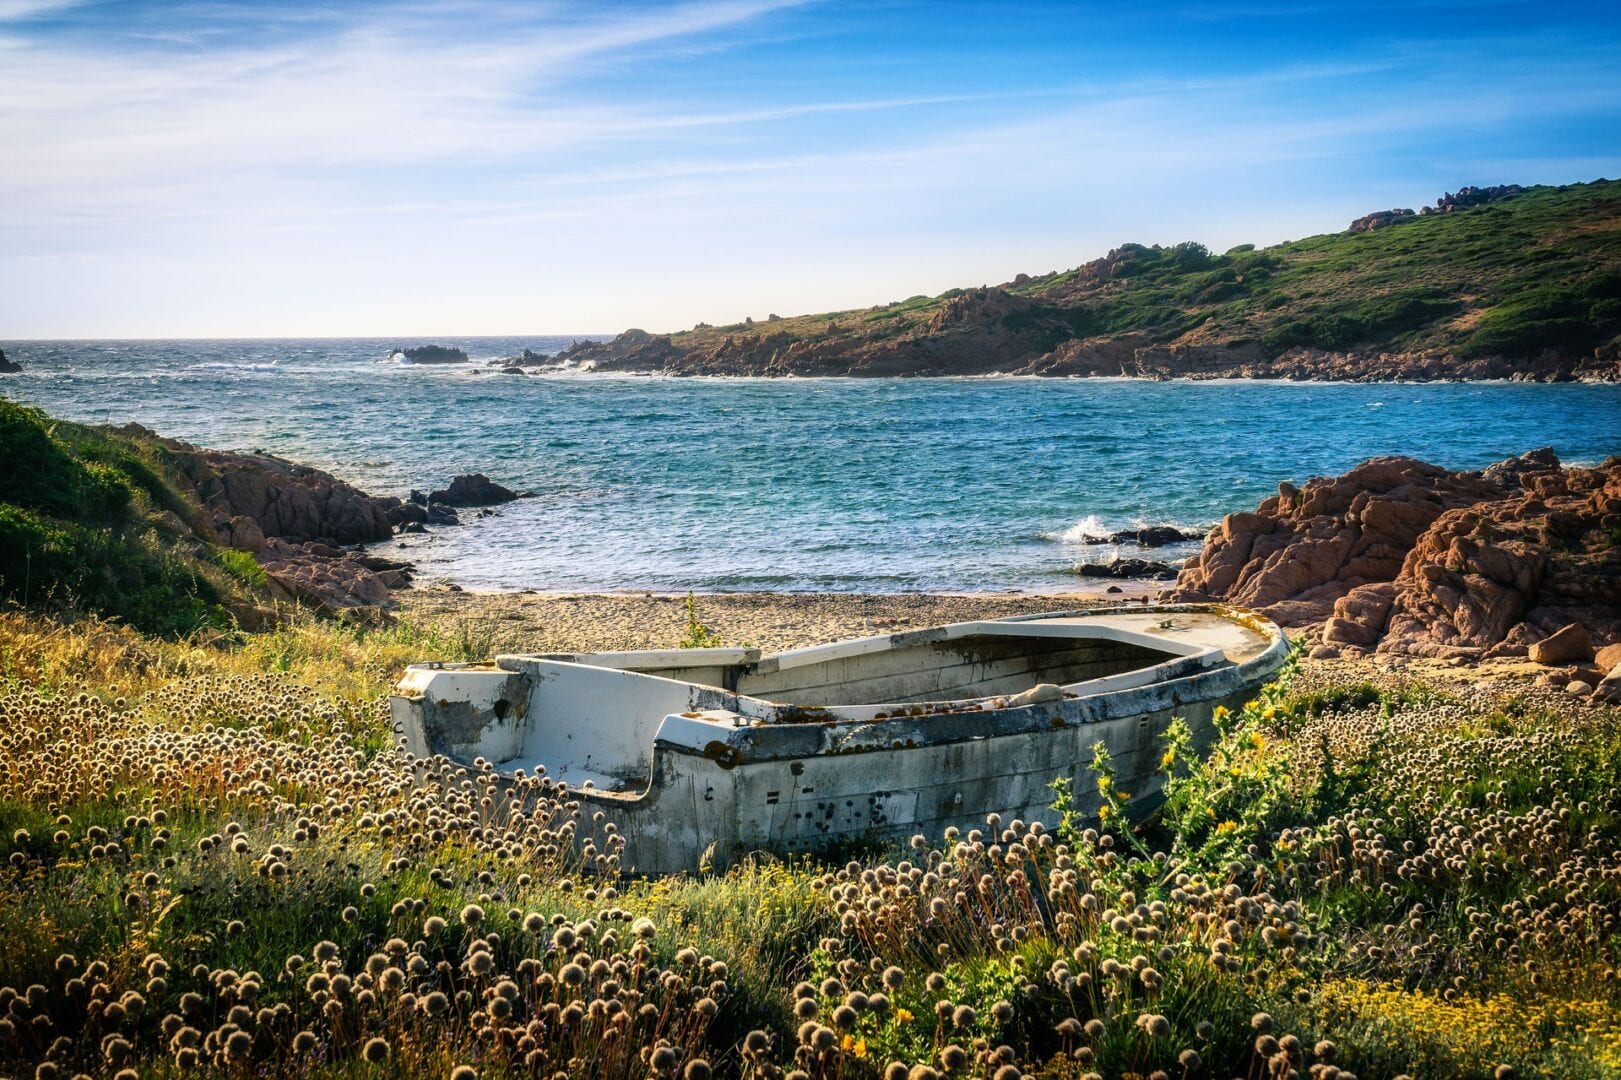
point(463, 711)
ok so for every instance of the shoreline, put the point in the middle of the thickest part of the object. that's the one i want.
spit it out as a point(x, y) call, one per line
point(582, 622)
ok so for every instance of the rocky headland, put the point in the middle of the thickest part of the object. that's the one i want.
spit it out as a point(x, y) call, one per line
point(1401, 557)
point(306, 528)
point(1537, 299)
point(8, 367)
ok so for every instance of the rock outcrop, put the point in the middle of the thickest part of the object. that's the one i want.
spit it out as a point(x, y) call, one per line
point(1466, 197)
point(8, 367)
point(348, 583)
point(473, 489)
point(1449, 203)
point(431, 354)
point(296, 520)
point(1380, 219)
point(278, 498)
point(1402, 556)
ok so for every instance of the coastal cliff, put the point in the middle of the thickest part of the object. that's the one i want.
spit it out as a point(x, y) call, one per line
point(1497, 283)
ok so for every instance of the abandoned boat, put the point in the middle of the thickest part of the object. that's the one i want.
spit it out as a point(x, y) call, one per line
point(704, 755)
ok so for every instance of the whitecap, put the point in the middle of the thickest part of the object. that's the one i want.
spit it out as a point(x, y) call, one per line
point(1091, 527)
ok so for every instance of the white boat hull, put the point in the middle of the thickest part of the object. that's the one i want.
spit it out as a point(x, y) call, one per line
point(699, 757)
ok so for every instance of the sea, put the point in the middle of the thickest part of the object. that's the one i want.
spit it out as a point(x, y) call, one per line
point(874, 485)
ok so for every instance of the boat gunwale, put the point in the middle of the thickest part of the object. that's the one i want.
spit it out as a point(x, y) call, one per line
point(732, 737)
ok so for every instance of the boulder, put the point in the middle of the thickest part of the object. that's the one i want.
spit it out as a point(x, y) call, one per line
point(339, 582)
point(1128, 568)
point(1609, 689)
point(1508, 473)
point(1567, 645)
point(244, 533)
point(473, 489)
point(408, 513)
point(1608, 659)
point(8, 367)
point(1405, 557)
point(1359, 616)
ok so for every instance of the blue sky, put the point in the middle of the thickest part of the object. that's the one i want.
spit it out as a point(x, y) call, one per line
point(442, 168)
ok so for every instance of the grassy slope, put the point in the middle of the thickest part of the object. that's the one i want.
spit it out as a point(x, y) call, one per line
point(1428, 881)
point(1537, 270)
point(95, 520)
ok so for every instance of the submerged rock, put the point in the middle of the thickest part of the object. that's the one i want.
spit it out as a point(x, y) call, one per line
point(473, 489)
point(1152, 536)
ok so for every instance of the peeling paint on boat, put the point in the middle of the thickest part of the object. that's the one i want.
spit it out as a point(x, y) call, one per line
point(709, 754)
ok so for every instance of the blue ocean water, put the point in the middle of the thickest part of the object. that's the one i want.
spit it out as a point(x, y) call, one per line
point(842, 484)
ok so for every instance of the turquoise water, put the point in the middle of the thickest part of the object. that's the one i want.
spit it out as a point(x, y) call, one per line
point(670, 484)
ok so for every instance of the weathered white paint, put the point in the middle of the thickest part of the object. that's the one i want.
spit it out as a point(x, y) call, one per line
point(726, 751)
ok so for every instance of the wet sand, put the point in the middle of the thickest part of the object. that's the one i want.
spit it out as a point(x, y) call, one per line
point(542, 622)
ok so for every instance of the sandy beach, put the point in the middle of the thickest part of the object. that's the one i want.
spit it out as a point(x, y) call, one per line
point(547, 622)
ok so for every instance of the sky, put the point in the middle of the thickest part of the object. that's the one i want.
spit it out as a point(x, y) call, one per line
point(443, 167)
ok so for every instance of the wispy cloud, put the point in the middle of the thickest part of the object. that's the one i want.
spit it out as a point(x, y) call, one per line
point(16, 10)
point(239, 162)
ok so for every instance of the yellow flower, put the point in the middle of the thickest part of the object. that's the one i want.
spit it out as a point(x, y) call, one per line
point(903, 1016)
point(1103, 812)
point(1222, 712)
point(1257, 740)
point(1227, 826)
point(1165, 762)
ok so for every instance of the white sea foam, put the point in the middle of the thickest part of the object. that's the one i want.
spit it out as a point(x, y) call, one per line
point(1090, 527)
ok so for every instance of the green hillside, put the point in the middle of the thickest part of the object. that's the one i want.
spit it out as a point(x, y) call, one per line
point(1521, 275)
point(94, 520)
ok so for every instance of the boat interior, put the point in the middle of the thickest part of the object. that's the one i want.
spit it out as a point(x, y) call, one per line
point(592, 718)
